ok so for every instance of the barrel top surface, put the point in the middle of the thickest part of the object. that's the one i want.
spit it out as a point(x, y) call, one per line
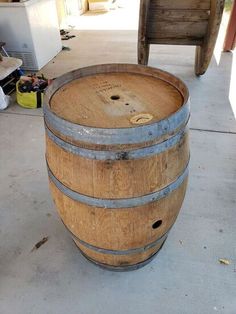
point(116, 100)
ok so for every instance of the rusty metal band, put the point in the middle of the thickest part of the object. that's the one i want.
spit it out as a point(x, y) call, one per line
point(119, 252)
point(122, 268)
point(122, 202)
point(122, 136)
point(118, 155)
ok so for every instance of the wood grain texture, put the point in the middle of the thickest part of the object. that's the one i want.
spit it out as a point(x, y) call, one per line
point(143, 45)
point(205, 51)
point(143, 52)
point(173, 83)
point(180, 4)
point(119, 178)
point(116, 68)
point(111, 100)
point(161, 15)
point(188, 41)
point(118, 229)
point(177, 29)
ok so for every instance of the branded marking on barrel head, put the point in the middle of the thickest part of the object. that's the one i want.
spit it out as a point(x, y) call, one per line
point(141, 118)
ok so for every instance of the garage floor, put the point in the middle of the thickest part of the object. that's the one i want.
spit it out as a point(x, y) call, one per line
point(186, 276)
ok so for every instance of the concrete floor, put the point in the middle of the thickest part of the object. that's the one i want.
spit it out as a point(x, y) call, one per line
point(186, 277)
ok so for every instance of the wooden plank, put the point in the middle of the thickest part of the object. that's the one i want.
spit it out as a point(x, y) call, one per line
point(143, 46)
point(189, 41)
point(161, 29)
point(143, 19)
point(179, 15)
point(180, 4)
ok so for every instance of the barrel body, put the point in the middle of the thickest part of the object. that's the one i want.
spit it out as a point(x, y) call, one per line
point(117, 189)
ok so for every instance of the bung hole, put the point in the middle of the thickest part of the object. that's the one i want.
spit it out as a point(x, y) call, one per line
point(157, 224)
point(115, 97)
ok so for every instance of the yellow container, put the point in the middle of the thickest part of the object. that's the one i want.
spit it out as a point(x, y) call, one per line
point(29, 100)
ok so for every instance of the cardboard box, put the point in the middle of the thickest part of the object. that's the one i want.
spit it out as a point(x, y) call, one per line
point(98, 5)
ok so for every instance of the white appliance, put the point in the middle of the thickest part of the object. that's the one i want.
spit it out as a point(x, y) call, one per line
point(31, 32)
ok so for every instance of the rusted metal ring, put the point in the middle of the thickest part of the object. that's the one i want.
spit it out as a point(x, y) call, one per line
point(122, 268)
point(119, 252)
point(122, 202)
point(117, 155)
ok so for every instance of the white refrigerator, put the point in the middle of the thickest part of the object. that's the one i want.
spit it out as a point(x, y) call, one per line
point(31, 32)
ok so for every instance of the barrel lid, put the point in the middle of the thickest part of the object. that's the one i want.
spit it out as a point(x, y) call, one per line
point(113, 99)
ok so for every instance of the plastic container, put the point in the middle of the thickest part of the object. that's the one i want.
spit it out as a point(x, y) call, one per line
point(29, 100)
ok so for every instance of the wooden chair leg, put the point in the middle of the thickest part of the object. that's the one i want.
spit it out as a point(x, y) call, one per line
point(143, 53)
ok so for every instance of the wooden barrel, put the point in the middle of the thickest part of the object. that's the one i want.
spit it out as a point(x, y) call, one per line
point(117, 156)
